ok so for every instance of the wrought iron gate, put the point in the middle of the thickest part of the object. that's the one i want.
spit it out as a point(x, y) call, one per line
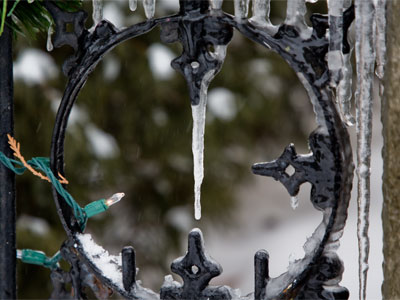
point(205, 30)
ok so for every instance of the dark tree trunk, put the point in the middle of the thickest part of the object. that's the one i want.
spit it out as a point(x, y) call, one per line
point(7, 177)
point(391, 157)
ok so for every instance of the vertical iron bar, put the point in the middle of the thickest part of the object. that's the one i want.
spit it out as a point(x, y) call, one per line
point(261, 271)
point(7, 177)
point(128, 267)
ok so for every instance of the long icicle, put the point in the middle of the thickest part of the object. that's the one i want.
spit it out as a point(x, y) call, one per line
point(199, 118)
point(365, 59)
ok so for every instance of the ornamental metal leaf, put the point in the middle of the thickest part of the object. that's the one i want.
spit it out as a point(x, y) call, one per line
point(196, 269)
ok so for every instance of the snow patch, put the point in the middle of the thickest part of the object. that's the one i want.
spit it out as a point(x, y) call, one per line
point(34, 67)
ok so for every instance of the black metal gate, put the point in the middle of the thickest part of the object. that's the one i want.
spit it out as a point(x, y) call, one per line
point(205, 31)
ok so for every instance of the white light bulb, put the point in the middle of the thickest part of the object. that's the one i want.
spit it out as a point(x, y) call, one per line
point(114, 199)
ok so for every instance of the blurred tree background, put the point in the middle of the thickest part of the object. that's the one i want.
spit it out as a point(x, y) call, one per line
point(130, 132)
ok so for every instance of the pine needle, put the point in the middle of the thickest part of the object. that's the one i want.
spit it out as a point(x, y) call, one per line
point(16, 147)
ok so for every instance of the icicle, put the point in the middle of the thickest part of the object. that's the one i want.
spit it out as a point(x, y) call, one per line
point(241, 9)
point(365, 59)
point(295, 12)
point(132, 5)
point(380, 19)
point(199, 117)
point(344, 91)
point(216, 4)
point(149, 8)
point(340, 64)
point(97, 14)
point(294, 202)
point(49, 44)
point(261, 9)
point(335, 58)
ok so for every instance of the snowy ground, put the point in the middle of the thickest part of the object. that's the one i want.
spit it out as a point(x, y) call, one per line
point(266, 221)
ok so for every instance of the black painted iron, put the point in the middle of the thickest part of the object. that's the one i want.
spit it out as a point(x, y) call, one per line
point(199, 32)
point(7, 178)
point(328, 167)
point(196, 269)
point(128, 268)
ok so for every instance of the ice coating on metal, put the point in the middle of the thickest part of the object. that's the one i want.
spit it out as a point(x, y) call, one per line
point(365, 60)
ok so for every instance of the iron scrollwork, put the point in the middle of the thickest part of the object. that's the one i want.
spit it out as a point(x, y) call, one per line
point(328, 167)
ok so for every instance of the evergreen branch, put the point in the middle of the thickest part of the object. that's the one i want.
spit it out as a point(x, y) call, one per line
point(3, 16)
point(16, 147)
point(32, 17)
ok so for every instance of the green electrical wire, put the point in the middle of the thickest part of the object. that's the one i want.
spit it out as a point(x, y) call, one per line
point(43, 164)
point(39, 258)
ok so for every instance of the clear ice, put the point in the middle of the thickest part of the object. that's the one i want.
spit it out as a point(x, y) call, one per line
point(340, 64)
point(216, 4)
point(380, 20)
point(294, 202)
point(97, 14)
point(241, 9)
point(199, 118)
point(295, 12)
point(344, 91)
point(149, 8)
point(261, 9)
point(132, 5)
point(365, 60)
point(49, 44)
